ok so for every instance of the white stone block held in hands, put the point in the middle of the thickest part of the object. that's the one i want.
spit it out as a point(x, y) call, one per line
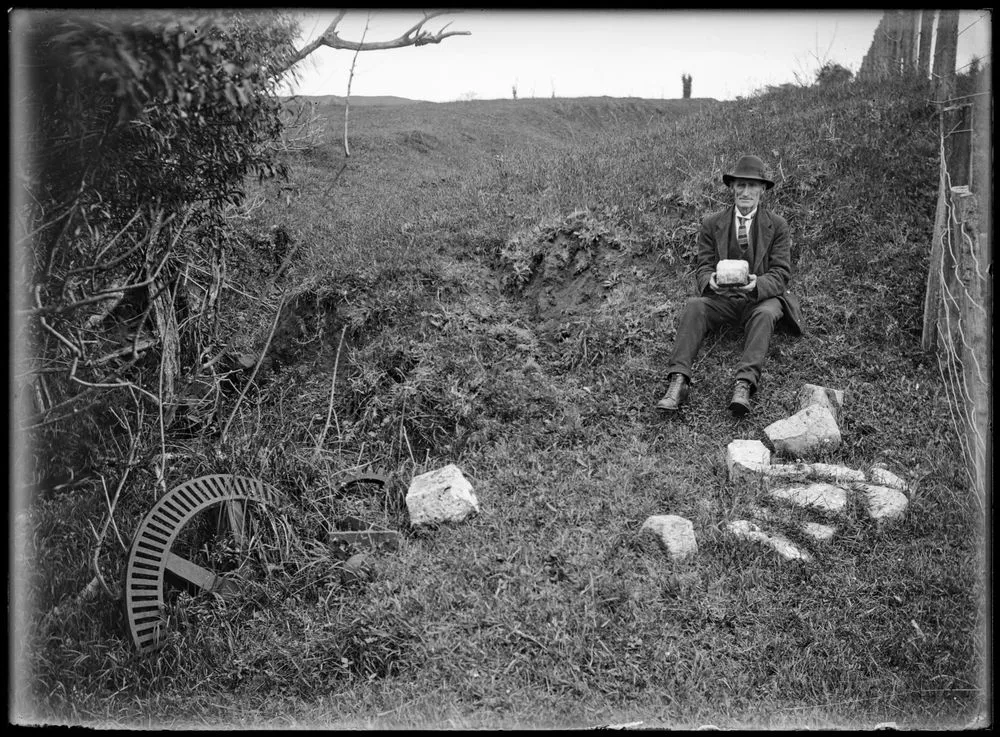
point(732, 273)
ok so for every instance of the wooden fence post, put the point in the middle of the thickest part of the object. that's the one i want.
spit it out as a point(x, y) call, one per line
point(900, 25)
point(935, 269)
point(908, 46)
point(972, 345)
point(926, 36)
point(982, 148)
point(981, 296)
point(945, 54)
point(958, 143)
point(954, 172)
point(873, 66)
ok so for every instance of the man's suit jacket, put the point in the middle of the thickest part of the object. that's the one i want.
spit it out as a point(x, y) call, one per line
point(771, 257)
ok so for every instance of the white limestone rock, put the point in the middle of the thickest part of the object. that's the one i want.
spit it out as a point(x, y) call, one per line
point(769, 515)
point(732, 272)
point(884, 504)
point(880, 475)
point(674, 533)
point(442, 495)
point(809, 431)
point(780, 544)
point(783, 473)
point(821, 496)
point(832, 399)
point(835, 474)
point(746, 459)
point(819, 532)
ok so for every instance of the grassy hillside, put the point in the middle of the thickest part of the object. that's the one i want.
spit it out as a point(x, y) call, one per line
point(495, 284)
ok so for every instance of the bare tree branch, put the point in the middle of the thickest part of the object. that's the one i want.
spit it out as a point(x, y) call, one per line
point(109, 521)
point(350, 79)
point(330, 414)
point(148, 238)
point(132, 349)
point(110, 385)
point(97, 297)
point(417, 35)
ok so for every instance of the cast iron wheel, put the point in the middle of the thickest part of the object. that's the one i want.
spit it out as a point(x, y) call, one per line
point(151, 556)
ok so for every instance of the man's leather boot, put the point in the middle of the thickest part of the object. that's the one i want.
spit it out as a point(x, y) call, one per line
point(677, 392)
point(739, 405)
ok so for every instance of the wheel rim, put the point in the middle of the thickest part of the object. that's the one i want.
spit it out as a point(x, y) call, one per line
point(151, 556)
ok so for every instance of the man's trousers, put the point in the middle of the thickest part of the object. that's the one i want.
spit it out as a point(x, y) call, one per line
point(702, 314)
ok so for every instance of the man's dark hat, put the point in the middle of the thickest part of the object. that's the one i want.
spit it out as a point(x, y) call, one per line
point(748, 167)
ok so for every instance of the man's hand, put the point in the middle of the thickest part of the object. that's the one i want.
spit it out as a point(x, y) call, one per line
point(727, 289)
point(714, 285)
point(750, 285)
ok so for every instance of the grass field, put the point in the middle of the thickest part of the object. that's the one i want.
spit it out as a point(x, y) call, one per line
point(495, 284)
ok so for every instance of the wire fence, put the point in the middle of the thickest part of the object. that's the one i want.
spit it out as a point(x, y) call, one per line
point(960, 319)
point(959, 293)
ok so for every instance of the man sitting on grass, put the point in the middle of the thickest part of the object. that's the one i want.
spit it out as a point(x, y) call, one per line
point(756, 299)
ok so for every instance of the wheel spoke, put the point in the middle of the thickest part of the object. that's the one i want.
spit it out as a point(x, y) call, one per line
point(191, 572)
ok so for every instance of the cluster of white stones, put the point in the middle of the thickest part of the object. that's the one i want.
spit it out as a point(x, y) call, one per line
point(822, 488)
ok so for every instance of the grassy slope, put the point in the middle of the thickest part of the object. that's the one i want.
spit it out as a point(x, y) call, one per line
point(544, 609)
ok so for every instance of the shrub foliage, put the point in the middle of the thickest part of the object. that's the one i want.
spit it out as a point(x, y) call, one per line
point(138, 132)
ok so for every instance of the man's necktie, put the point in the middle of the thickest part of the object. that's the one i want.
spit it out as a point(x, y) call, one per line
point(741, 234)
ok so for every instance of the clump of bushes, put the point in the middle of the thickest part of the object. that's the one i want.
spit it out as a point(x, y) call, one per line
point(136, 137)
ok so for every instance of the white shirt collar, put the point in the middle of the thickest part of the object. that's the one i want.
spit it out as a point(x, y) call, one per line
point(749, 217)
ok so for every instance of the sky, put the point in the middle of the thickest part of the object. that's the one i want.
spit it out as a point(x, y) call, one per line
point(584, 53)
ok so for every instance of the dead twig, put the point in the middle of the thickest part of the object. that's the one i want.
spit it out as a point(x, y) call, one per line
point(333, 389)
point(108, 385)
point(350, 79)
point(98, 296)
point(256, 368)
point(112, 502)
point(415, 36)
